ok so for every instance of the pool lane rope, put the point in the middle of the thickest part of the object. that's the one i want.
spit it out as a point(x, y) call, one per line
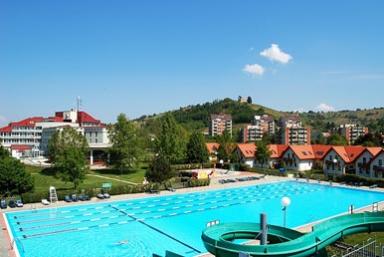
point(157, 230)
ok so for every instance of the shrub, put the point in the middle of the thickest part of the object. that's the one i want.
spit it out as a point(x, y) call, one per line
point(198, 182)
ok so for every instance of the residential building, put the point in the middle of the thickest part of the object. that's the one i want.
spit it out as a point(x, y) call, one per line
point(220, 123)
point(212, 151)
point(340, 160)
point(364, 160)
point(352, 132)
point(299, 157)
point(377, 165)
point(251, 133)
point(261, 125)
point(246, 153)
point(293, 132)
point(266, 123)
point(30, 137)
point(275, 157)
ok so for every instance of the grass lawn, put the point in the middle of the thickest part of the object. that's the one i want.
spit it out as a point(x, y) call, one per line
point(43, 181)
point(136, 176)
point(357, 239)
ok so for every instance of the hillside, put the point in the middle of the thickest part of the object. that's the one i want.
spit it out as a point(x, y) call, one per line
point(197, 116)
point(372, 118)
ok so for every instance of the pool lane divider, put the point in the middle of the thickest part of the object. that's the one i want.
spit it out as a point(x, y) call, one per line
point(157, 230)
point(142, 220)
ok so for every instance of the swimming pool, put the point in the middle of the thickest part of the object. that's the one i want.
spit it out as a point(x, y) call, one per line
point(144, 226)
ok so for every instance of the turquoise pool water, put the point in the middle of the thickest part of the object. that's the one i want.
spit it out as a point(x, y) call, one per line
point(156, 224)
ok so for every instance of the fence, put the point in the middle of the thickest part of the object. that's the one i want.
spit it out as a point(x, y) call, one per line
point(370, 248)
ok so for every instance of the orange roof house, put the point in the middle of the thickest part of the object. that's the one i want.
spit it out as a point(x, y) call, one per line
point(247, 150)
point(212, 147)
point(277, 150)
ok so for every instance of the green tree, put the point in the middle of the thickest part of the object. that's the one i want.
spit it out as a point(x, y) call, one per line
point(3, 152)
point(197, 151)
point(126, 144)
point(226, 146)
point(336, 139)
point(370, 139)
point(263, 153)
point(160, 170)
point(13, 177)
point(67, 150)
point(172, 140)
point(249, 100)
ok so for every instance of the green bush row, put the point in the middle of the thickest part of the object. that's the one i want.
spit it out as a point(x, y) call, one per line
point(351, 178)
point(198, 182)
point(191, 166)
point(117, 190)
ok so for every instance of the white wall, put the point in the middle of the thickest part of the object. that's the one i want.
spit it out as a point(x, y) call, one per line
point(378, 161)
point(297, 164)
point(336, 169)
point(361, 171)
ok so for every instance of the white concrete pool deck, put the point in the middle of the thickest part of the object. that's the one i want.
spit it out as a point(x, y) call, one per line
point(5, 243)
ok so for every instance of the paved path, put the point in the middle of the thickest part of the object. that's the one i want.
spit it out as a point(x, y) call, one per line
point(115, 179)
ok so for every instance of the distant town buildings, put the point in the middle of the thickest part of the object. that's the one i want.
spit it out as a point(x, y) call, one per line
point(261, 125)
point(352, 132)
point(30, 137)
point(220, 123)
point(293, 132)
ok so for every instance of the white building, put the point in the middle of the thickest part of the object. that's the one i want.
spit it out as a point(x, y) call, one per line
point(30, 137)
point(299, 157)
point(340, 160)
point(364, 160)
point(377, 165)
point(220, 123)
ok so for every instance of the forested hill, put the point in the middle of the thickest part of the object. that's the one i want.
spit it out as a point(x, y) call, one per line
point(197, 116)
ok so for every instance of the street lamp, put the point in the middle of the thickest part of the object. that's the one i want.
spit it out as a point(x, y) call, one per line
point(285, 202)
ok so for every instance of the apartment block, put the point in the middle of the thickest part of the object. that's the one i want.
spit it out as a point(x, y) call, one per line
point(352, 132)
point(293, 132)
point(220, 123)
point(261, 125)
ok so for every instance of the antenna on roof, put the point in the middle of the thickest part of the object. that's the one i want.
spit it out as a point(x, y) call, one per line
point(78, 102)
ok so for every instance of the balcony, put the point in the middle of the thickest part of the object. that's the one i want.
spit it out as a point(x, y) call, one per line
point(362, 165)
point(378, 168)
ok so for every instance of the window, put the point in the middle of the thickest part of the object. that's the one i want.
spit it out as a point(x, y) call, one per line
point(380, 162)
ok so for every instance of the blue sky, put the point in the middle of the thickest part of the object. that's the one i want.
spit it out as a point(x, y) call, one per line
point(143, 57)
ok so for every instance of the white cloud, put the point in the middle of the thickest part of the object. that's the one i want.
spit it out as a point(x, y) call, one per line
point(323, 107)
point(274, 53)
point(254, 69)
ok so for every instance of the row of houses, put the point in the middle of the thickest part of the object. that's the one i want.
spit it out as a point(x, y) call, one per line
point(333, 160)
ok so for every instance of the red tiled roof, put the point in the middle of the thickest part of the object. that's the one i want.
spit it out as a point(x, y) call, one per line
point(247, 150)
point(84, 117)
point(212, 147)
point(320, 151)
point(374, 150)
point(28, 122)
point(348, 153)
point(303, 152)
point(6, 129)
point(277, 150)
